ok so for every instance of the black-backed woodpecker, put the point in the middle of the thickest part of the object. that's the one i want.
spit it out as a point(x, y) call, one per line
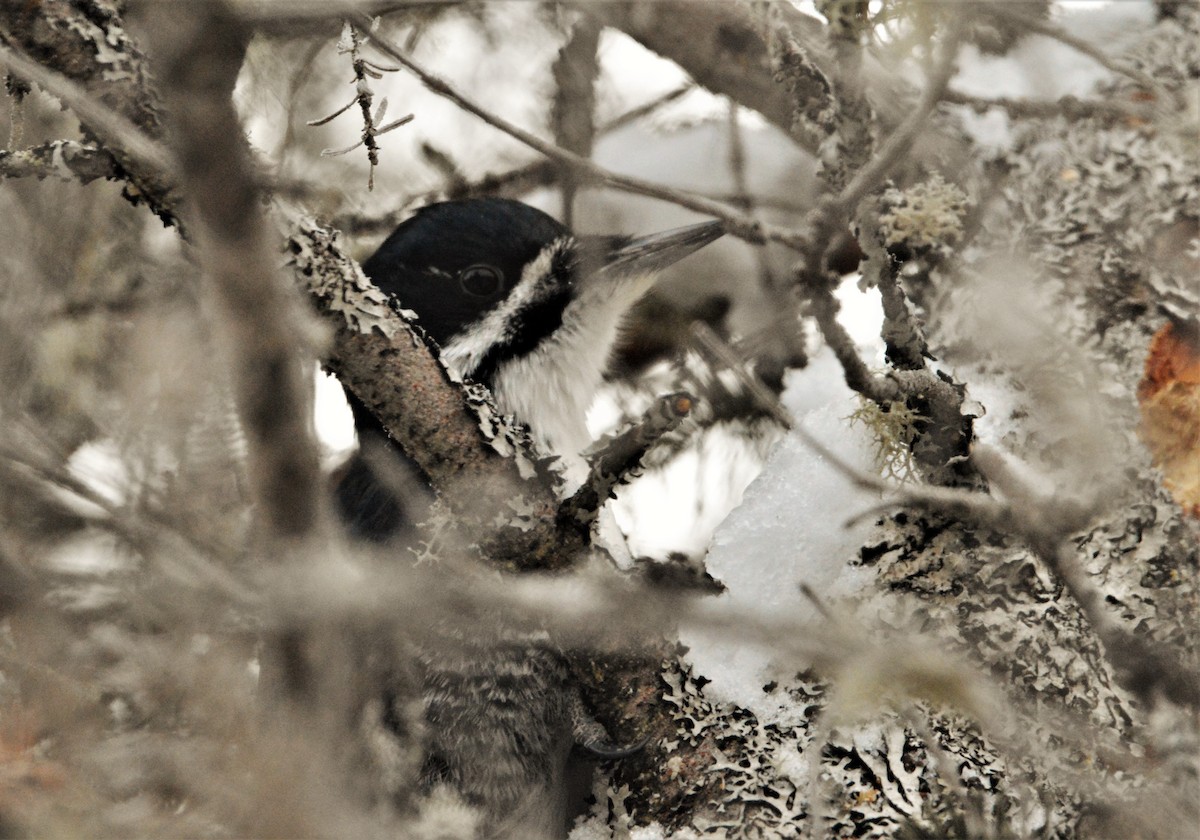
point(515, 301)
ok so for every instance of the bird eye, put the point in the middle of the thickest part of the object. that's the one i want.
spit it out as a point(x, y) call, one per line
point(481, 280)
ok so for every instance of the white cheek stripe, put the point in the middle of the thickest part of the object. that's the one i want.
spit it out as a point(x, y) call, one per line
point(466, 350)
point(552, 387)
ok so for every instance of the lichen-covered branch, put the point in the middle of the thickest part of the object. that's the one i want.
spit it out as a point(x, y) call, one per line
point(373, 126)
point(67, 160)
point(618, 456)
point(900, 141)
point(86, 43)
point(473, 456)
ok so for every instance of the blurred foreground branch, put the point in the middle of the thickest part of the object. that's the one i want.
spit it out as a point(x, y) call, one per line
point(198, 55)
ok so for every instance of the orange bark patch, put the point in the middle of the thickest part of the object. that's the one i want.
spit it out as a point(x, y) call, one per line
point(1169, 396)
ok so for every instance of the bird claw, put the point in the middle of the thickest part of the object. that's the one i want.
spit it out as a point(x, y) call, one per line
point(611, 752)
point(591, 737)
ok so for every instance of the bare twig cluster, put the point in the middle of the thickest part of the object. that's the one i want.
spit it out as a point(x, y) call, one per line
point(365, 69)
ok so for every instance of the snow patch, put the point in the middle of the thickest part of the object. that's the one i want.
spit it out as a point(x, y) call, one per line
point(794, 517)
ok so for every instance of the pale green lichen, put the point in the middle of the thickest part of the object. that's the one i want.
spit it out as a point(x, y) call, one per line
point(928, 215)
point(894, 429)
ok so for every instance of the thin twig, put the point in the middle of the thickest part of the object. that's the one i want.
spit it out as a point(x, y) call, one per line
point(818, 603)
point(900, 141)
point(538, 173)
point(819, 289)
point(1070, 107)
point(295, 82)
point(618, 457)
point(364, 70)
point(635, 114)
point(1050, 30)
point(719, 351)
point(739, 224)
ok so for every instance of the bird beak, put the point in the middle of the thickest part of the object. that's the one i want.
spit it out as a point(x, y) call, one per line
point(649, 254)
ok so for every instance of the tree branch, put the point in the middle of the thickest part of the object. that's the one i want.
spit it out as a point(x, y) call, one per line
point(112, 126)
point(539, 173)
point(1042, 521)
point(1050, 30)
point(94, 52)
point(198, 52)
point(901, 140)
point(1070, 107)
point(388, 366)
point(573, 109)
point(618, 456)
point(722, 51)
point(67, 160)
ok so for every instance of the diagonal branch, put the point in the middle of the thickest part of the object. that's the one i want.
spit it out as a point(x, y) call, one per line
point(737, 223)
point(377, 355)
point(901, 140)
point(1042, 521)
point(89, 47)
point(618, 457)
point(539, 173)
point(68, 160)
point(113, 127)
point(1042, 27)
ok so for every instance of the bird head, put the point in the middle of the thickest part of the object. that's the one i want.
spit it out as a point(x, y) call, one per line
point(516, 301)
